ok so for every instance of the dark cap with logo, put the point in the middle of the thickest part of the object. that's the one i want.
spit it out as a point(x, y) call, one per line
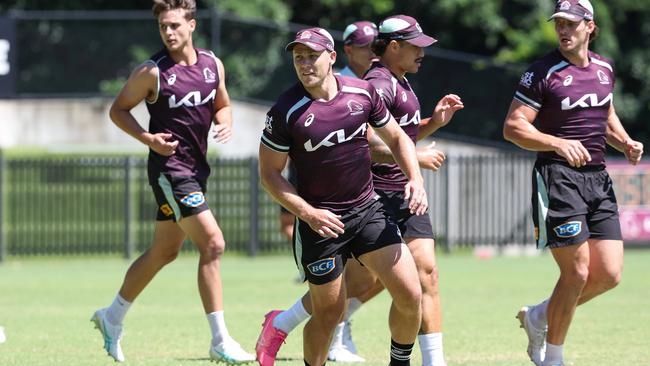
point(360, 33)
point(318, 39)
point(573, 10)
point(404, 28)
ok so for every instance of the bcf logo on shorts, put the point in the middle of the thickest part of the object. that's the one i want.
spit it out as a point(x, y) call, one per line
point(322, 266)
point(568, 229)
point(194, 199)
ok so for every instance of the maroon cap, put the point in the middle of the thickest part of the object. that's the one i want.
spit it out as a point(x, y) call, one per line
point(360, 33)
point(404, 28)
point(318, 39)
point(573, 10)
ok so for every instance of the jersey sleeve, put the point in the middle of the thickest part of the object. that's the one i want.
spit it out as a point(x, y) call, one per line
point(530, 90)
point(276, 135)
point(385, 89)
point(379, 114)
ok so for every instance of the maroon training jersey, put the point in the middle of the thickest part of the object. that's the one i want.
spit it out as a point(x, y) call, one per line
point(184, 107)
point(328, 142)
point(404, 105)
point(572, 102)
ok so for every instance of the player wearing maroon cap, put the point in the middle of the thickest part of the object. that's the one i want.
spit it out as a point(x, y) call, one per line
point(185, 91)
point(400, 47)
point(357, 42)
point(321, 123)
point(568, 94)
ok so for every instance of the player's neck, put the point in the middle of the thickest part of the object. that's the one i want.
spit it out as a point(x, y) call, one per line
point(578, 56)
point(185, 56)
point(325, 91)
point(357, 69)
point(394, 67)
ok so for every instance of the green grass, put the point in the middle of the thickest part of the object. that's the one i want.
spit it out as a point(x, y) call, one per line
point(46, 304)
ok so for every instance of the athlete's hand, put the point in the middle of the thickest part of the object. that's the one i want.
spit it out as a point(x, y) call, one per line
point(222, 133)
point(573, 151)
point(325, 223)
point(445, 109)
point(633, 151)
point(163, 145)
point(429, 157)
point(416, 195)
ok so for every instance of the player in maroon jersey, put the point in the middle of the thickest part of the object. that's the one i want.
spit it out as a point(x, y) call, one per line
point(321, 123)
point(563, 109)
point(184, 88)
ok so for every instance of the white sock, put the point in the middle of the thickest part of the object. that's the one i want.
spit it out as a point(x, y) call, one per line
point(337, 337)
point(117, 311)
point(538, 314)
point(353, 305)
point(218, 327)
point(431, 347)
point(553, 355)
point(290, 318)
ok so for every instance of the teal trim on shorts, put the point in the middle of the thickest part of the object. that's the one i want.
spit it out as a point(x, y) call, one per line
point(298, 245)
point(542, 210)
point(166, 186)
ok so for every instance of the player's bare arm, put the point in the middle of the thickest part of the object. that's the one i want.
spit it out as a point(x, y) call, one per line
point(223, 110)
point(324, 222)
point(618, 138)
point(141, 85)
point(518, 129)
point(403, 150)
point(443, 112)
point(428, 156)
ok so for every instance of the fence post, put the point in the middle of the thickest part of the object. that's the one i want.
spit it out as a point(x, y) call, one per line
point(254, 207)
point(3, 244)
point(128, 208)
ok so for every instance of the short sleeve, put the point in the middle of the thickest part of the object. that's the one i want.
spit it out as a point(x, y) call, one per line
point(379, 114)
point(276, 135)
point(384, 87)
point(530, 90)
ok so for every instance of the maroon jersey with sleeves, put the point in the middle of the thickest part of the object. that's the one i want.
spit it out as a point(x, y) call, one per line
point(328, 142)
point(572, 102)
point(184, 107)
point(404, 105)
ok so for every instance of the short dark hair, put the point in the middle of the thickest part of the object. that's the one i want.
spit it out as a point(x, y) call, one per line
point(379, 46)
point(593, 35)
point(163, 5)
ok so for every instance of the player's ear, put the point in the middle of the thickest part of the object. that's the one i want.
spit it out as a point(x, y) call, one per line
point(332, 57)
point(192, 23)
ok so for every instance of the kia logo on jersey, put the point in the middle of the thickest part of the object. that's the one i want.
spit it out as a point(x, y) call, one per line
point(587, 100)
point(191, 99)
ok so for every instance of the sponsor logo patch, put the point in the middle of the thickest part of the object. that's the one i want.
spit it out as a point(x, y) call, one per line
point(194, 199)
point(209, 75)
point(355, 107)
point(322, 266)
point(309, 120)
point(268, 124)
point(166, 210)
point(404, 97)
point(527, 79)
point(568, 80)
point(565, 5)
point(604, 79)
point(568, 229)
point(171, 80)
point(368, 31)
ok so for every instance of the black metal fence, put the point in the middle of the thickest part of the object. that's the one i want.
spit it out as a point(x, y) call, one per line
point(101, 205)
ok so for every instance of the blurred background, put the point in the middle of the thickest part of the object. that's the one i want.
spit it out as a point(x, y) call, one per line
point(72, 183)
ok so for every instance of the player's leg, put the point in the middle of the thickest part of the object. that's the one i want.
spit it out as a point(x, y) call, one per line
point(430, 336)
point(328, 304)
point(203, 230)
point(605, 268)
point(396, 270)
point(167, 241)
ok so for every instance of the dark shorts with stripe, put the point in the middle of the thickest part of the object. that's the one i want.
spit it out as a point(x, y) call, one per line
point(367, 228)
point(571, 205)
point(411, 225)
point(178, 197)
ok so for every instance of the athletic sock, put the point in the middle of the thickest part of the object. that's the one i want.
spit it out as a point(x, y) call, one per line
point(117, 311)
point(400, 354)
point(431, 348)
point(353, 305)
point(290, 318)
point(553, 355)
point(217, 327)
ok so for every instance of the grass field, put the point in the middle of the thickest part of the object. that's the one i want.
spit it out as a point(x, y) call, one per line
point(46, 304)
